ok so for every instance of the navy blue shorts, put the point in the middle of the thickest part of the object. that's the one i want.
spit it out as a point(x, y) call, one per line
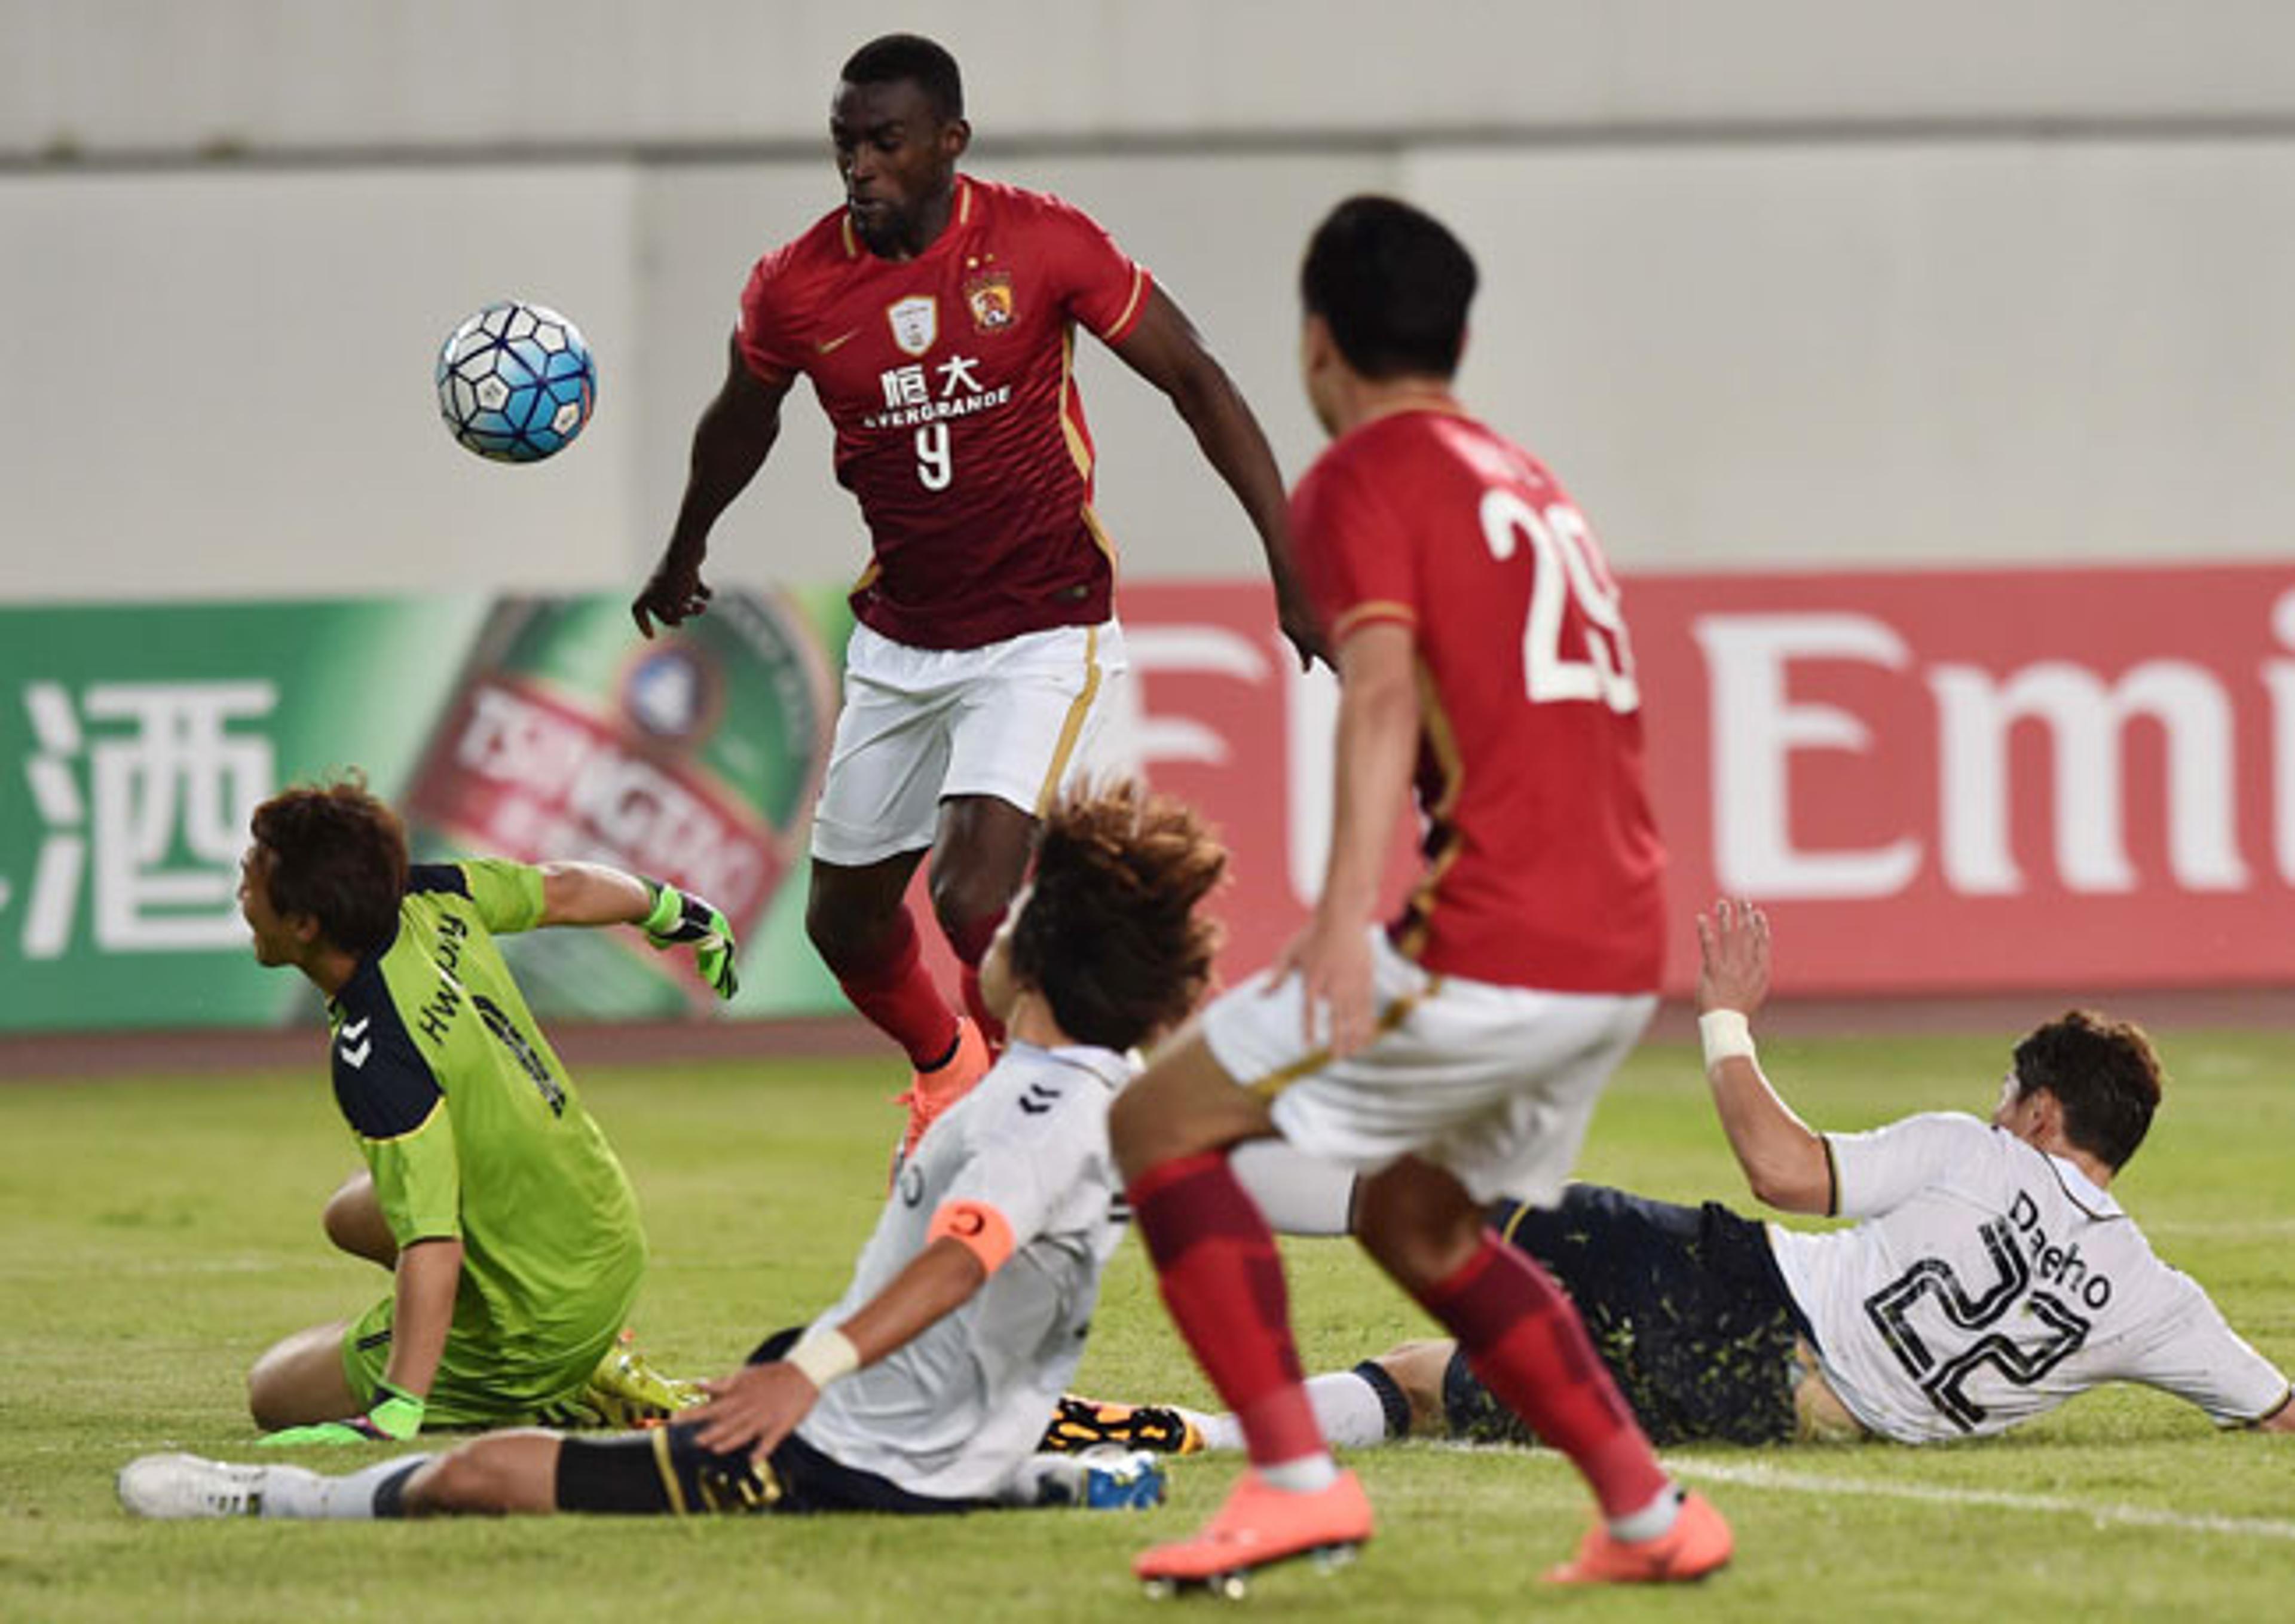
point(1683, 1304)
point(667, 1470)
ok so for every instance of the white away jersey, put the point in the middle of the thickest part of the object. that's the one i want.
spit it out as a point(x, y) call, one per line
point(955, 1411)
point(1993, 1282)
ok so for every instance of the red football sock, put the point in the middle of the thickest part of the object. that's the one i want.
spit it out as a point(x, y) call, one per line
point(896, 993)
point(1216, 1262)
point(1526, 1342)
point(971, 942)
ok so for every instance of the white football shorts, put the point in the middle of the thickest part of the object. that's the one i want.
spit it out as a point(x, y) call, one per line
point(1016, 719)
point(1497, 1084)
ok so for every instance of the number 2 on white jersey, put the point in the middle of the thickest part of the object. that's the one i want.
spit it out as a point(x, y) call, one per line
point(935, 467)
point(1568, 569)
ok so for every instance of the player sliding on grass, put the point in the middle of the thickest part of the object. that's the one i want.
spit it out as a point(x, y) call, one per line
point(1458, 1058)
point(1992, 1277)
point(935, 314)
point(926, 1388)
point(510, 1229)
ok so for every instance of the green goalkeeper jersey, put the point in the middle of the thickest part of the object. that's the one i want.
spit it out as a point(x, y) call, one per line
point(473, 1130)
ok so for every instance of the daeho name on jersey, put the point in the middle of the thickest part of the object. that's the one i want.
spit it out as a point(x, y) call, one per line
point(948, 380)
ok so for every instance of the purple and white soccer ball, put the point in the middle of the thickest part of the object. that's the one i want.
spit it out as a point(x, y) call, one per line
point(516, 382)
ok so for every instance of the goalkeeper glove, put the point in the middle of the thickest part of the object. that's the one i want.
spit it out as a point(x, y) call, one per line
point(677, 918)
point(396, 1416)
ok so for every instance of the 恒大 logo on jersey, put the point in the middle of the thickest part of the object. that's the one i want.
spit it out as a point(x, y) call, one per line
point(988, 294)
point(915, 323)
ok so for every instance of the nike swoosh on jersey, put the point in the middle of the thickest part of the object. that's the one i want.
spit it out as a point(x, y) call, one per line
point(825, 346)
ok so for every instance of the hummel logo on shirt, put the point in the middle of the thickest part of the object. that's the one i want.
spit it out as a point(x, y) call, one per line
point(352, 1031)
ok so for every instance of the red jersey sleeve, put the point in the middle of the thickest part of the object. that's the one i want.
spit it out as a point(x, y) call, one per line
point(1098, 282)
point(764, 340)
point(1357, 554)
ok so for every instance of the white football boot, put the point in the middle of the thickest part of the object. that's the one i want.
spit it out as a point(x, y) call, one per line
point(177, 1486)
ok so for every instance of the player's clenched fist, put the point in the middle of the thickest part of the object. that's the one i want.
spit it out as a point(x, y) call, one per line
point(678, 918)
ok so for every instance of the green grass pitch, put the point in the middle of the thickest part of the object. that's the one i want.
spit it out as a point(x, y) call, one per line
point(156, 1234)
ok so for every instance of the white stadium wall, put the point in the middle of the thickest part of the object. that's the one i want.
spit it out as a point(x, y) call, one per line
point(1781, 282)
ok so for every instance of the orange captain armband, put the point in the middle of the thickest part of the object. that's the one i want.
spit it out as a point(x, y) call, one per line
point(977, 1227)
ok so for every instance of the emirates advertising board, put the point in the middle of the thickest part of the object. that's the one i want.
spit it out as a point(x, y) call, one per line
point(1939, 782)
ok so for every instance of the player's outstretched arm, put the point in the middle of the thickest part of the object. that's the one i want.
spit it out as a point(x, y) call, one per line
point(1165, 348)
point(760, 1405)
point(1784, 1160)
point(593, 894)
point(729, 442)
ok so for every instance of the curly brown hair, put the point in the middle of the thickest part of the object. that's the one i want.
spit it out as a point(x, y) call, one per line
point(1109, 933)
point(337, 854)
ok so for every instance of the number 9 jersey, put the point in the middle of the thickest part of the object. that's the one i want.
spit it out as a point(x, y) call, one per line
point(1543, 864)
point(948, 380)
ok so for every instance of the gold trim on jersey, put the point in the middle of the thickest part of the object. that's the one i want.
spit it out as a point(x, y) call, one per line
point(1373, 608)
point(1099, 535)
point(1444, 841)
point(1139, 286)
point(1078, 448)
point(1072, 727)
point(1283, 1076)
point(845, 230)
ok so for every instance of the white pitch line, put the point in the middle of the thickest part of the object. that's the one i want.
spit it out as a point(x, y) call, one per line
point(2138, 1516)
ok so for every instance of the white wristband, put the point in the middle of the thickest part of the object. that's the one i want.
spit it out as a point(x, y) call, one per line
point(825, 1354)
point(1727, 1036)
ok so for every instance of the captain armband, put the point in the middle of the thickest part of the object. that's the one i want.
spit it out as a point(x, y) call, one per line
point(977, 1227)
point(1726, 1035)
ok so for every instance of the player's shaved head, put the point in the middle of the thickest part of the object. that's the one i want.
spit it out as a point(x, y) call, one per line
point(1393, 285)
point(892, 58)
point(335, 854)
point(1109, 933)
point(2104, 1073)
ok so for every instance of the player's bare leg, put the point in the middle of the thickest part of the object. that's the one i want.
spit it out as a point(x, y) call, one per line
point(355, 1223)
point(299, 1380)
point(1529, 1347)
point(981, 851)
point(500, 1474)
point(1221, 1276)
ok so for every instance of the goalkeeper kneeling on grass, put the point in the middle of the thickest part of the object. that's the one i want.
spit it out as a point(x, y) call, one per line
point(510, 1229)
point(926, 1388)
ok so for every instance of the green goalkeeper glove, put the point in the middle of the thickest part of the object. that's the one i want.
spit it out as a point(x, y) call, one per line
point(677, 918)
point(396, 1416)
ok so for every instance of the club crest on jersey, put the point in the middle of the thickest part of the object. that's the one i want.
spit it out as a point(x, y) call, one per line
point(915, 323)
point(990, 296)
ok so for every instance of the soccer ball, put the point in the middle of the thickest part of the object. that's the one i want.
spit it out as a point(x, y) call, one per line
point(516, 382)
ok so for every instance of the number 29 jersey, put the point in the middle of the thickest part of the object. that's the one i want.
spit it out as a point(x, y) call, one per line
point(948, 379)
point(1543, 864)
point(1991, 1282)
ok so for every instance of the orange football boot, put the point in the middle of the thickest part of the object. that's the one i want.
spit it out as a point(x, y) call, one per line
point(1698, 1543)
point(1258, 1527)
point(934, 1092)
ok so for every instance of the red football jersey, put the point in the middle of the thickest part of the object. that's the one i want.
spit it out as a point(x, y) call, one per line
point(1543, 868)
point(958, 427)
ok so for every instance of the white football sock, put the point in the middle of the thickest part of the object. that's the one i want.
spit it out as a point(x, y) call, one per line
point(1304, 1475)
point(1348, 1410)
point(291, 1491)
point(1653, 1520)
